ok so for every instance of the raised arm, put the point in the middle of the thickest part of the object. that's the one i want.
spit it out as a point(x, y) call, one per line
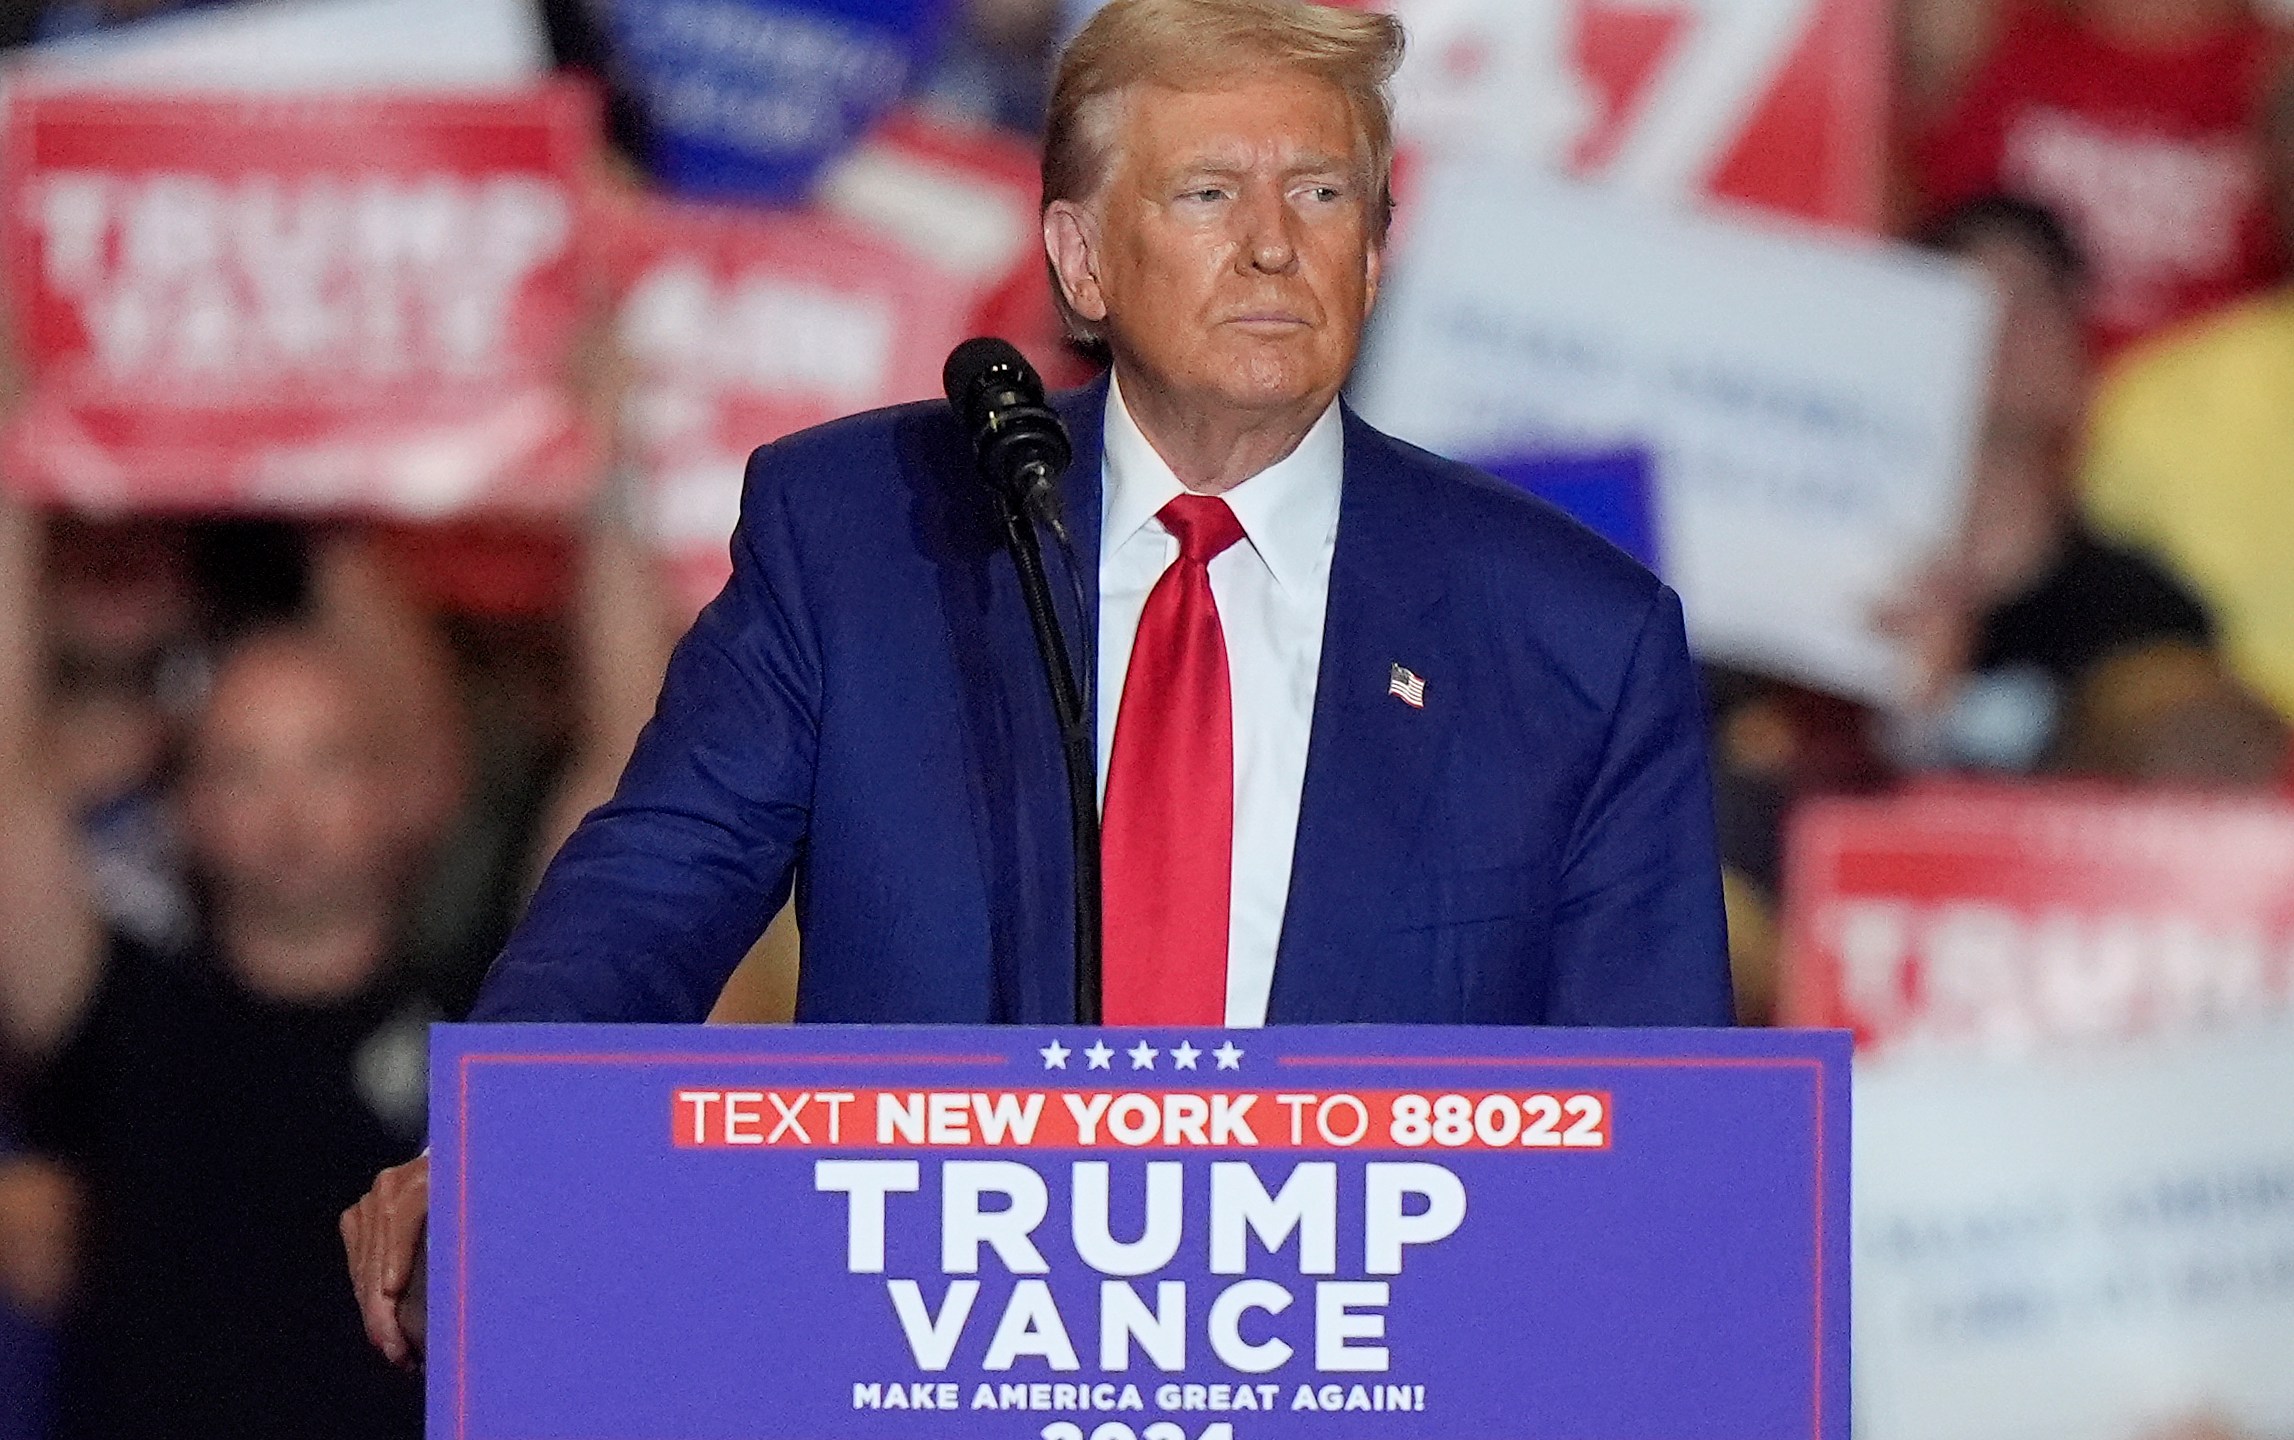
point(1640, 937)
point(658, 894)
point(623, 636)
point(51, 945)
point(406, 677)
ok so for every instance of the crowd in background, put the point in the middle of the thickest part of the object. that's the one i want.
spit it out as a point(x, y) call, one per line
point(273, 792)
point(2120, 605)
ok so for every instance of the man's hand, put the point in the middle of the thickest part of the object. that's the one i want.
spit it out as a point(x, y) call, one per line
point(381, 1234)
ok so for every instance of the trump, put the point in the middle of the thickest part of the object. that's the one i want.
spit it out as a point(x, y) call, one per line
point(1379, 738)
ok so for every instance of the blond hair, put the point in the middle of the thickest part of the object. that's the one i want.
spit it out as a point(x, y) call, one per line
point(1196, 45)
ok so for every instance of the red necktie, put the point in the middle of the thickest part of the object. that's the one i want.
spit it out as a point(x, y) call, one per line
point(1168, 832)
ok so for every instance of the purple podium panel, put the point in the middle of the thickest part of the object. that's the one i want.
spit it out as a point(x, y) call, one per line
point(829, 1233)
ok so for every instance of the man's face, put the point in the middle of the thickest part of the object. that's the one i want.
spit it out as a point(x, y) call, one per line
point(1229, 257)
point(287, 813)
point(2021, 499)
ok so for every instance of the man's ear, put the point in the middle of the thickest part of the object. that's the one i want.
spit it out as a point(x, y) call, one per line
point(1071, 239)
point(1374, 270)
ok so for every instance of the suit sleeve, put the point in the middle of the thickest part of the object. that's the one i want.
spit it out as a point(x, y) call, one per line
point(658, 894)
point(1639, 934)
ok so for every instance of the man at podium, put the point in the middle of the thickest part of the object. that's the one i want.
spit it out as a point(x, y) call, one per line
point(1379, 738)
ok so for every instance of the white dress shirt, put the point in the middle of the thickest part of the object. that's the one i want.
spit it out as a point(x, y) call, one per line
point(1271, 594)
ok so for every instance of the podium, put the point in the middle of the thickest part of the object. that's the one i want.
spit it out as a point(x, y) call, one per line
point(832, 1233)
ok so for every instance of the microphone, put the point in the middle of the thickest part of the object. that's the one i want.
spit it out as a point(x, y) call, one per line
point(1022, 447)
point(1021, 444)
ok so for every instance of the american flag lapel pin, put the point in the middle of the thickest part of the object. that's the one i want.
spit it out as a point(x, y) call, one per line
point(1408, 685)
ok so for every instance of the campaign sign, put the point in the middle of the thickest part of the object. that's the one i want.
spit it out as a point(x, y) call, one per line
point(305, 46)
point(2030, 919)
point(670, 1233)
point(1782, 104)
point(299, 301)
point(752, 97)
point(1811, 401)
point(1776, 103)
point(964, 201)
point(743, 326)
point(2091, 1243)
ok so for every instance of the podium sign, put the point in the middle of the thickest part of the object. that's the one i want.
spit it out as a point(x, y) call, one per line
point(677, 1233)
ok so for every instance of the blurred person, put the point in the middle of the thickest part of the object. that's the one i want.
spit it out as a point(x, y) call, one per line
point(2192, 453)
point(2013, 632)
point(2135, 120)
point(1775, 744)
point(119, 628)
point(128, 609)
point(2171, 715)
point(1939, 44)
point(218, 1110)
point(863, 707)
point(2014, 622)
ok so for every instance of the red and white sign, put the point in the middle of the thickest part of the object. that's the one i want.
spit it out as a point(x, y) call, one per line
point(2025, 920)
point(966, 201)
point(1777, 103)
point(743, 326)
point(299, 302)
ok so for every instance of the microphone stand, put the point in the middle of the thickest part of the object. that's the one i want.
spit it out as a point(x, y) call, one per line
point(1078, 746)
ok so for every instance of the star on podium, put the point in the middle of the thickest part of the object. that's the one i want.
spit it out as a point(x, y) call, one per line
point(1228, 1056)
point(1183, 1056)
point(1055, 1056)
point(1101, 1057)
point(1143, 1056)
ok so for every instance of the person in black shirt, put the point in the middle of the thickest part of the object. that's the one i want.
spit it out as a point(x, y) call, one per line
point(218, 1128)
point(220, 1109)
point(2032, 602)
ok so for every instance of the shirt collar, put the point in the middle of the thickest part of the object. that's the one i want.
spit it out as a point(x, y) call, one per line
point(1288, 511)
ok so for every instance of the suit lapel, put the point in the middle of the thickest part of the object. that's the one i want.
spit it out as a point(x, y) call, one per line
point(1372, 758)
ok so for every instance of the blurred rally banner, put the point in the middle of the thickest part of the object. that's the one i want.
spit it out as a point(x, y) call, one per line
point(1777, 103)
point(361, 301)
point(966, 201)
point(1811, 401)
point(745, 325)
point(2013, 921)
point(2074, 1167)
point(2088, 1246)
point(303, 45)
point(742, 326)
point(754, 98)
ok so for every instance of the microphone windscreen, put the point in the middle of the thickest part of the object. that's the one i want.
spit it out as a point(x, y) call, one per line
point(973, 365)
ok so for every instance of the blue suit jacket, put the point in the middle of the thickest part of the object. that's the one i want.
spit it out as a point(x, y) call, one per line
point(862, 713)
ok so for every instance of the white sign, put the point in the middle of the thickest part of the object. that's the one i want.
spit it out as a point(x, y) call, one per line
point(304, 45)
point(1812, 401)
point(2087, 1246)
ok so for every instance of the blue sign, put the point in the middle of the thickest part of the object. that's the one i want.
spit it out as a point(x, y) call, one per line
point(818, 1233)
point(750, 99)
point(1611, 493)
